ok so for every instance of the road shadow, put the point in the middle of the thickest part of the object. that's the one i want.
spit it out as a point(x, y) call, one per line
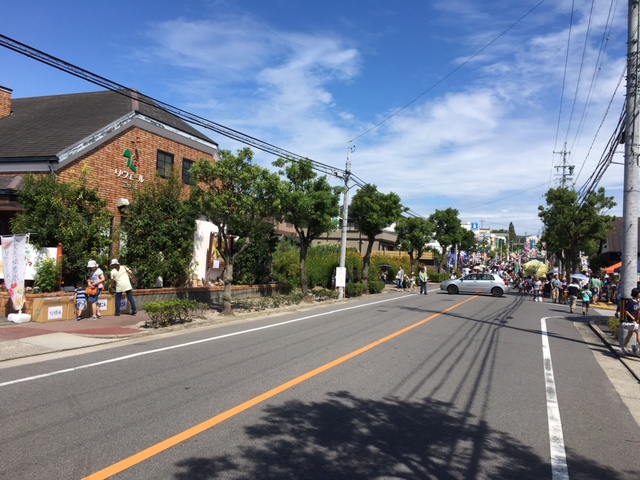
point(349, 438)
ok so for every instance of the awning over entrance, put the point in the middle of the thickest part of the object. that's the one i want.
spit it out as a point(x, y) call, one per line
point(616, 268)
point(612, 268)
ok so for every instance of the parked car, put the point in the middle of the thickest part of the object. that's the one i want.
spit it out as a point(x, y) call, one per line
point(477, 283)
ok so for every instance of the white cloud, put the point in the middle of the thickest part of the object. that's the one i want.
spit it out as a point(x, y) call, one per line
point(478, 143)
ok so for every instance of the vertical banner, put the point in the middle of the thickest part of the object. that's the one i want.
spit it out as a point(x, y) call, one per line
point(14, 263)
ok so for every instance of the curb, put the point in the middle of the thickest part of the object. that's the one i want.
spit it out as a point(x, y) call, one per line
point(616, 352)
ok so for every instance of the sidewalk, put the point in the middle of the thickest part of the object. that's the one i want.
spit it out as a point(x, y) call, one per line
point(28, 339)
point(600, 325)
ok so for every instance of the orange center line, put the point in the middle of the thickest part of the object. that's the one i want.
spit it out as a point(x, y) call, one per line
point(171, 442)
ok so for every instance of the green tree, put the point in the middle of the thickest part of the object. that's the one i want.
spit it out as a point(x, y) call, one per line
point(373, 211)
point(310, 204)
point(448, 231)
point(571, 227)
point(253, 264)
point(70, 213)
point(413, 235)
point(512, 237)
point(157, 233)
point(235, 195)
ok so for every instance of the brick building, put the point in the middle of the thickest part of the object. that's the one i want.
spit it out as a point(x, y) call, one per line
point(122, 137)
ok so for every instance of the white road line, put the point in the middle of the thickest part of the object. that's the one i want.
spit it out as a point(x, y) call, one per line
point(559, 470)
point(188, 344)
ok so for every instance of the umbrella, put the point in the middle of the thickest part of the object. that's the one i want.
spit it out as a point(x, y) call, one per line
point(579, 276)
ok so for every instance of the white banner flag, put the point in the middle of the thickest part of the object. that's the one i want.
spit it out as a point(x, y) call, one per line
point(14, 265)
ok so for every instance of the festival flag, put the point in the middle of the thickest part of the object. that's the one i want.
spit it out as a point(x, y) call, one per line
point(14, 260)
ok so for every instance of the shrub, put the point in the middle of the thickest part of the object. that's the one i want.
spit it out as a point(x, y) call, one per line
point(375, 286)
point(170, 312)
point(47, 274)
point(439, 277)
point(355, 289)
point(614, 325)
point(265, 303)
point(321, 294)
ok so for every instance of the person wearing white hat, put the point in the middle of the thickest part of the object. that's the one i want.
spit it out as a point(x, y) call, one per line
point(96, 281)
point(121, 277)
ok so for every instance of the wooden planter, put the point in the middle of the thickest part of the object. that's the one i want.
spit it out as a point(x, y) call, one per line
point(57, 306)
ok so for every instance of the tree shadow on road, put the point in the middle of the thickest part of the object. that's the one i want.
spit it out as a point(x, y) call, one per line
point(345, 437)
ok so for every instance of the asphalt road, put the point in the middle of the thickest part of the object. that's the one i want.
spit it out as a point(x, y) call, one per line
point(404, 386)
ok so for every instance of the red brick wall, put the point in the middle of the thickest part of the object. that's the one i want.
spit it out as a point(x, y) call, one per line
point(109, 167)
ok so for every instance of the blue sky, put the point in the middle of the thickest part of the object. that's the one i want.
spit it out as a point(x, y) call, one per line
point(473, 101)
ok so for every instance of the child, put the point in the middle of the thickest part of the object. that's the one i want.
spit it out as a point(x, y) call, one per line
point(413, 282)
point(80, 301)
point(587, 296)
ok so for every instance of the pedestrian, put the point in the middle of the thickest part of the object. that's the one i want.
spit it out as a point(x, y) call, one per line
point(617, 297)
point(573, 289)
point(595, 285)
point(413, 282)
point(555, 288)
point(537, 290)
point(587, 296)
point(563, 291)
point(631, 321)
point(121, 277)
point(95, 287)
point(80, 300)
point(424, 278)
point(400, 278)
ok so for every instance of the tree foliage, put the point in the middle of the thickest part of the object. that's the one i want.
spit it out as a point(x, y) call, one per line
point(373, 211)
point(449, 231)
point(235, 195)
point(309, 203)
point(71, 213)
point(158, 233)
point(512, 237)
point(253, 264)
point(571, 227)
point(413, 236)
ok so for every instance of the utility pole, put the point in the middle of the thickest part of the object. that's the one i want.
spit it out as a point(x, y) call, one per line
point(345, 216)
point(630, 194)
point(564, 176)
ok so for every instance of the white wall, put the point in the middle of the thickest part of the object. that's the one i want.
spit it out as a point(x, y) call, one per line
point(202, 235)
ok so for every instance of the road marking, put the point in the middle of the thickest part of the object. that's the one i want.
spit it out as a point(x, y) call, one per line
point(171, 442)
point(189, 344)
point(559, 469)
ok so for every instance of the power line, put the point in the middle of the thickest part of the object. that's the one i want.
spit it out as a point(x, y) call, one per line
point(181, 114)
point(468, 60)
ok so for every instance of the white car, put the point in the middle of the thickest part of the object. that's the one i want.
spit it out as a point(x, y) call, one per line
point(477, 283)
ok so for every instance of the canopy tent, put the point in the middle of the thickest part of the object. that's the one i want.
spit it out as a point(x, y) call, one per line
point(612, 268)
point(617, 267)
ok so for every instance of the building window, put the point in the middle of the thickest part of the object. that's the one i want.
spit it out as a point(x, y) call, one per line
point(165, 164)
point(186, 168)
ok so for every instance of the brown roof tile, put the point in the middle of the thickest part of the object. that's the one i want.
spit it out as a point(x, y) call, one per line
point(45, 126)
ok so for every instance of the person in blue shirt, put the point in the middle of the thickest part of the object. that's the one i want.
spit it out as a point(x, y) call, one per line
point(587, 296)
